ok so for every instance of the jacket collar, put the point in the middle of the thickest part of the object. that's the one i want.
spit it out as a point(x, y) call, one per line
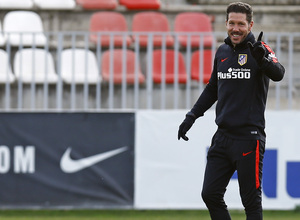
point(250, 37)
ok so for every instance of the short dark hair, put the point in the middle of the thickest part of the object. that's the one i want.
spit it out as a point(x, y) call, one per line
point(240, 7)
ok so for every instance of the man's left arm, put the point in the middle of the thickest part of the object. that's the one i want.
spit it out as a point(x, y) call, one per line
point(274, 70)
point(266, 59)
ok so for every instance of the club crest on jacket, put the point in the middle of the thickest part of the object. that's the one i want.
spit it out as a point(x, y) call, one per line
point(242, 59)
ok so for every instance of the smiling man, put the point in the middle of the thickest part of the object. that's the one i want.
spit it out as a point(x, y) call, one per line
point(238, 23)
point(239, 83)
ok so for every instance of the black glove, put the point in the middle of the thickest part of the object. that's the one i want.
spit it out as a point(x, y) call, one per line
point(186, 125)
point(257, 50)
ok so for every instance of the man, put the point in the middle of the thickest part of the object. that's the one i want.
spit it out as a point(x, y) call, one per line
point(239, 82)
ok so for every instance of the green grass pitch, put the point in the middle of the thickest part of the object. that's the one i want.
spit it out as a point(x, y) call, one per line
point(133, 215)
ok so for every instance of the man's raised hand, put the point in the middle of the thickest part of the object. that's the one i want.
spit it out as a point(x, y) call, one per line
point(258, 50)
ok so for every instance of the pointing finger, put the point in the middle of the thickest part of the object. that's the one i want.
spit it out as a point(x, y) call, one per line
point(260, 36)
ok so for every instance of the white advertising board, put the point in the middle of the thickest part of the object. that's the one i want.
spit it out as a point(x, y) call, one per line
point(169, 173)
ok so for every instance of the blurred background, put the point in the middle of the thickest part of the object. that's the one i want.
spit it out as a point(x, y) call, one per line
point(133, 54)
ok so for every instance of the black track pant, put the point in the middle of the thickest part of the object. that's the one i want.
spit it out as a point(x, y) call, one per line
point(224, 157)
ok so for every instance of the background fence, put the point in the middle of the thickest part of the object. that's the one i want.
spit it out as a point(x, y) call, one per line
point(67, 71)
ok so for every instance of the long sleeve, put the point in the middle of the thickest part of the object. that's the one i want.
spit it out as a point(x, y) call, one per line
point(209, 95)
point(271, 67)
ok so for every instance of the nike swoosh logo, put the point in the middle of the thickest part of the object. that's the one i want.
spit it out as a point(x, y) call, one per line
point(222, 60)
point(68, 165)
point(245, 154)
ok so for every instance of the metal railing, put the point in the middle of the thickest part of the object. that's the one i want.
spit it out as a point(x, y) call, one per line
point(104, 94)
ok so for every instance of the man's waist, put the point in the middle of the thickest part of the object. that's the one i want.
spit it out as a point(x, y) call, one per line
point(246, 132)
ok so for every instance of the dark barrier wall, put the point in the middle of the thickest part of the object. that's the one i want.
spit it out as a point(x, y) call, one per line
point(75, 160)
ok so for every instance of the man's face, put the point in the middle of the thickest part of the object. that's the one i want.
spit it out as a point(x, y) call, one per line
point(238, 27)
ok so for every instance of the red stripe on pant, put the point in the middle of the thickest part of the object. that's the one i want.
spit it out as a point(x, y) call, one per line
point(257, 166)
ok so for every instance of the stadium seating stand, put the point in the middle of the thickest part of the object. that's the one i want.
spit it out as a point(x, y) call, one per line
point(79, 66)
point(97, 4)
point(168, 75)
point(34, 65)
point(2, 36)
point(24, 28)
point(119, 65)
point(206, 68)
point(194, 22)
point(141, 4)
point(55, 4)
point(16, 4)
point(6, 74)
point(108, 21)
point(152, 22)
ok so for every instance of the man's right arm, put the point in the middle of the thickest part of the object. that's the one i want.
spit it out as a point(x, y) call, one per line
point(204, 102)
point(208, 97)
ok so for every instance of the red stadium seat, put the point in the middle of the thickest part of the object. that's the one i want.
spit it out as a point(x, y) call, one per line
point(207, 65)
point(170, 63)
point(118, 67)
point(106, 21)
point(98, 4)
point(140, 4)
point(152, 22)
point(194, 22)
